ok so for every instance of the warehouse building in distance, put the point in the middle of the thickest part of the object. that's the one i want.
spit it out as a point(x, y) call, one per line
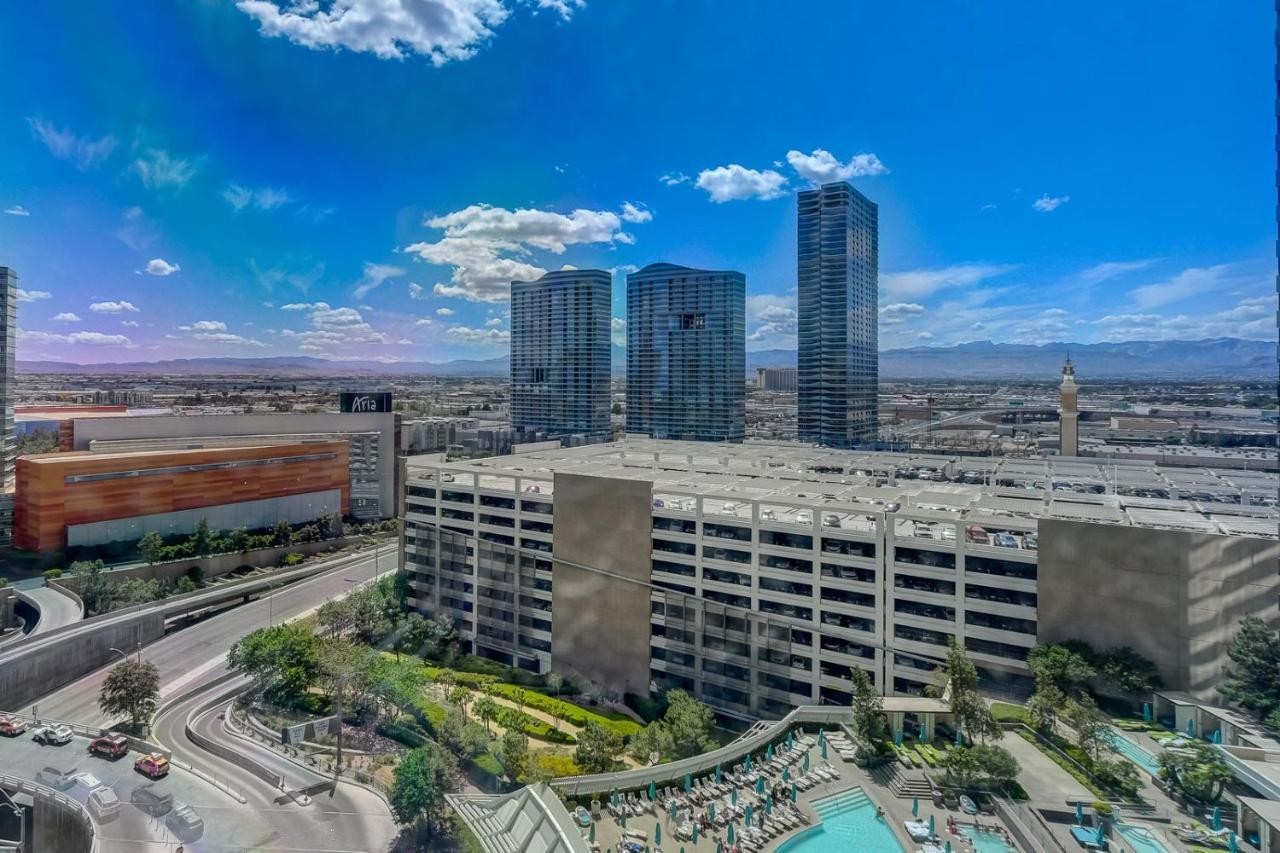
point(94, 498)
point(758, 576)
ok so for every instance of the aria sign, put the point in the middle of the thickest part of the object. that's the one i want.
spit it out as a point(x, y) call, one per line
point(355, 401)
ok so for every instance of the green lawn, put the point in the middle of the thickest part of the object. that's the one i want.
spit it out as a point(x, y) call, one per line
point(1006, 713)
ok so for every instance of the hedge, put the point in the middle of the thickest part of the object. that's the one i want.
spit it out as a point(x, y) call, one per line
point(404, 731)
point(432, 713)
point(510, 718)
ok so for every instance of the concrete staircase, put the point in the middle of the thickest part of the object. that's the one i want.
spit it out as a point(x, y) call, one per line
point(903, 786)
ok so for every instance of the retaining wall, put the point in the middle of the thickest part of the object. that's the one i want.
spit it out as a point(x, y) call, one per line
point(59, 823)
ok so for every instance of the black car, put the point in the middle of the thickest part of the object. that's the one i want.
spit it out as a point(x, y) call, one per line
point(184, 822)
point(152, 800)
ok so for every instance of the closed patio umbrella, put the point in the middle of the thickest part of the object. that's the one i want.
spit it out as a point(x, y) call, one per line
point(591, 834)
point(675, 810)
point(822, 735)
point(931, 832)
point(1146, 712)
point(657, 833)
point(768, 753)
point(695, 832)
point(791, 740)
point(947, 847)
point(748, 764)
point(622, 820)
point(793, 792)
point(1233, 846)
point(805, 763)
point(1217, 817)
point(688, 782)
point(768, 805)
point(897, 738)
point(1191, 727)
point(717, 774)
point(750, 811)
point(959, 737)
point(730, 833)
point(822, 747)
point(915, 806)
point(711, 811)
point(760, 785)
point(733, 797)
point(653, 790)
point(1101, 838)
point(1079, 814)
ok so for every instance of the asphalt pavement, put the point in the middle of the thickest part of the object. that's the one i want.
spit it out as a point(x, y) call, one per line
point(56, 609)
point(197, 655)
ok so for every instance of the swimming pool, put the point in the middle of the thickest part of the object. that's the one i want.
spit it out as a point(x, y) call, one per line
point(849, 822)
point(987, 842)
point(1140, 838)
point(1133, 752)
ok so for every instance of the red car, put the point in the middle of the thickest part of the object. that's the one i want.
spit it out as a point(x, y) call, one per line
point(11, 726)
point(152, 764)
point(109, 746)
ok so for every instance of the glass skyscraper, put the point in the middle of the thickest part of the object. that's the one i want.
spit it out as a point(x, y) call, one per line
point(8, 386)
point(838, 361)
point(686, 358)
point(560, 354)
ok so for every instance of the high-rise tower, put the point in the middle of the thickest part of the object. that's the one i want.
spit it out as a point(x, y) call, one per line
point(560, 354)
point(837, 258)
point(686, 356)
point(8, 365)
point(1068, 413)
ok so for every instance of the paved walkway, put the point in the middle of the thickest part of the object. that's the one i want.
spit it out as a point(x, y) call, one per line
point(1044, 781)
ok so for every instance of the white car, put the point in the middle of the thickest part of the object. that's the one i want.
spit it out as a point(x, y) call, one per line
point(52, 735)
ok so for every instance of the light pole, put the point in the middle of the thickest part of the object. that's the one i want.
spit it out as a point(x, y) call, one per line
point(125, 655)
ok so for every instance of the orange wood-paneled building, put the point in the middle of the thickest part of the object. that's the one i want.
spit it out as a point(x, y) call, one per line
point(57, 490)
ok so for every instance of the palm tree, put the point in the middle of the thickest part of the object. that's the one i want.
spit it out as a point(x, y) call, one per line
point(486, 709)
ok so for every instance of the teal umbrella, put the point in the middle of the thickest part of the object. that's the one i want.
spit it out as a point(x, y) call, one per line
point(897, 738)
point(1217, 818)
point(675, 810)
point(695, 832)
point(733, 797)
point(786, 774)
point(657, 833)
point(730, 836)
point(947, 847)
point(793, 792)
point(768, 753)
point(717, 774)
point(719, 847)
point(1101, 837)
point(688, 782)
point(1079, 814)
point(822, 746)
point(591, 834)
point(1232, 845)
point(749, 813)
point(791, 740)
point(822, 735)
point(915, 806)
point(613, 797)
point(653, 790)
point(959, 738)
point(1191, 727)
point(768, 805)
point(931, 832)
point(805, 763)
point(760, 785)
point(1146, 712)
point(748, 762)
point(711, 810)
point(622, 821)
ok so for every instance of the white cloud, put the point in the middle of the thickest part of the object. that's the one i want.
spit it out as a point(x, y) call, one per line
point(735, 183)
point(113, 307)
point(87, 338)
point(898, 312)
point(1253, 318)
point(771, 320)
point(493, 322)
point(618, 331)
point(271, 277)
point(159, 266)
point(440, 30)
point(205, 326)
point(136, 231)
point(264, 198)
point(425, 321)
point(636, 214)
point(373, 277)
point(417, 291)
point(467, 335)
point(33, 295)
point(924, 336)
point(1048, 204)
point(66, 317)
point(158, 169)
point(1099, 273)
point(673, 179)
point(821, 167)
point(330, 327)
point(227, 338)
point(1186, 283)
point(444, 312)
point(1054, 312)
point(480, 241)
point(988, 207)
point(83, 152)
point(17, 210)
point(915, 284)
point(132, 324)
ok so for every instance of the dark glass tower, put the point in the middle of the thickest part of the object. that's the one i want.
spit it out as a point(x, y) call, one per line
point(560, 354)
point(836, 276)
point(686, 353)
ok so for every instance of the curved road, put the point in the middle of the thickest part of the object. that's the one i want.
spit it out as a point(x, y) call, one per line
point(197, 655)
point(56, 609)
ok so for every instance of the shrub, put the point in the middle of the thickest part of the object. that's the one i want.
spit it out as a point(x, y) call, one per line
point(51, 574)
point(647, 707)
point(3, 582)
point(405, 731)
point(431, 714)
point(291, 559)
point(545, 764)
point(510, 718)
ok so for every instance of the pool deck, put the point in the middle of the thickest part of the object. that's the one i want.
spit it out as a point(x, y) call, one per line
point(609, 833)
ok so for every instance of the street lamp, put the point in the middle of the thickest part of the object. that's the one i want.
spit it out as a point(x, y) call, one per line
point(125, 655)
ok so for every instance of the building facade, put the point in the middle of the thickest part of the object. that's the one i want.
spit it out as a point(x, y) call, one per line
point(837, 268)
point(686, 356)
point(1068, 412)
point(780, 379)
point(8, 387)
point(560, 356)
point(372, 438)
point(757, 577)
point(87, 498)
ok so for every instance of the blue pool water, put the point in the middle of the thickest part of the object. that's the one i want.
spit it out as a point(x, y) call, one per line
point(849, 822)
point(987, 842)
point(1133, 752)
point(1140, 839)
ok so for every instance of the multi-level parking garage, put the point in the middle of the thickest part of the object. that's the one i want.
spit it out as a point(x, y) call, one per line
point(758, 576)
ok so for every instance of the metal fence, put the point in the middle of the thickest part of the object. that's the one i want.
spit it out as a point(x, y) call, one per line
point(48, 795)
point(1027, 826)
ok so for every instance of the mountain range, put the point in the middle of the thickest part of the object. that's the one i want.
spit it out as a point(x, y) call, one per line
point(1210, 358)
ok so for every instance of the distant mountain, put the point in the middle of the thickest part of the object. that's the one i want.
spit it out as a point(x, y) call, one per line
point(1225, 357)
point(1217, 357)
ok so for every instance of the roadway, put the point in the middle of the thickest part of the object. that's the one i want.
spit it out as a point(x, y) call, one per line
point(56, 609)
point(196, 655)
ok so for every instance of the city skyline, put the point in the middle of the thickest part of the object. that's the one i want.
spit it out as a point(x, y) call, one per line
point(266, 188)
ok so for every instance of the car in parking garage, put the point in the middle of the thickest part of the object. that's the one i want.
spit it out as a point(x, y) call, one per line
point(52, 735)
point(11, 726)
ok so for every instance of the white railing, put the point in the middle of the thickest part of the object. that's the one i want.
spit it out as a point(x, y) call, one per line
point(26, 786)
point(725, 756)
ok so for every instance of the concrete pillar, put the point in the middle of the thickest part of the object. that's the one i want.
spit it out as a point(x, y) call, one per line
point(926, 727)
point(895, 724)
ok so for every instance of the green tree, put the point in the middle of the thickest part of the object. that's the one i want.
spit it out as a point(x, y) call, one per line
point(598, 749)
point(554, 683)
point(37, 441)
point(335, 617)
point(962, 767)
point(1045, 705)
point(282, 533)
point(1129, 671)
point(1090, 727)
point(513, 753)
point(131, 688)
point(647, 742)
point(418, 787)
point(93, 586)
point(486, 710)
point(412, 634)
point(1198, 772)
point(967, 706)
point(966, 767)
point(1066, 669)
point(201, 539)
point(238, 540)
point(460, 696)
point(867, 707)
point(150, 547)
point(1253, 677)
point(283, 661)
point(688, 723)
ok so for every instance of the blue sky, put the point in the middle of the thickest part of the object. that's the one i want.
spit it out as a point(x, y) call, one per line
point(359, 178)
